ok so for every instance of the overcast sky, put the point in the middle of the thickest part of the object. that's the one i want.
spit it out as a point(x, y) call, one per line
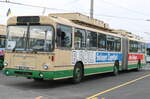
point(130, 15)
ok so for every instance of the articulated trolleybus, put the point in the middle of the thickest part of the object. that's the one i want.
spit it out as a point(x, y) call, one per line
point(68, 45)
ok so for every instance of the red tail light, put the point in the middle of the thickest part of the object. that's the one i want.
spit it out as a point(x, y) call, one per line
point(53, 58)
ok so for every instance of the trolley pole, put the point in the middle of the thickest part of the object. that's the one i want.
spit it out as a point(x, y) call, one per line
point(92, 8)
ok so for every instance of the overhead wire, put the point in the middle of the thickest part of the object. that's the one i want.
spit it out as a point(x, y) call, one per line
point(120, 17)
point(110, 16)
point(123, 7)
point(29, 5)
point(43, 7)
point(72, 2)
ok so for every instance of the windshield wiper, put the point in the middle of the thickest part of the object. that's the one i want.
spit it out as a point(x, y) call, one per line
point(23, 39)
point(27, 37)
point(34, 50)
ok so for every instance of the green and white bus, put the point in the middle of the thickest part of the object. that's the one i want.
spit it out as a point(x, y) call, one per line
point(68, 45)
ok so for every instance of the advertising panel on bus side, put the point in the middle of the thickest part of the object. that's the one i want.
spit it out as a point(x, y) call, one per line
point(95, 57)
point(135, 57)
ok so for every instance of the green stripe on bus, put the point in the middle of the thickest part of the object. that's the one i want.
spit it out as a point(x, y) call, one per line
point(135, 65)
point(35, 74)
point(59, 74)
point(52, 74)
point(143, 64)
point(62, 74)
point(26, 73)
point(98, 70)
point(132, 66)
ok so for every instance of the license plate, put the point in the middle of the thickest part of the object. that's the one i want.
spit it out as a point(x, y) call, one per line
point(22, 68)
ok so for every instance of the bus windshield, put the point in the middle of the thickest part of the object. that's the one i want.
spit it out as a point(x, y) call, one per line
point(34, 38)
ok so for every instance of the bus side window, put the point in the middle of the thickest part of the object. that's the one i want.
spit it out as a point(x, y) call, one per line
point(79, 39)
point(143, 48)
point(130, 46)
point(64, 36)
point(101, 41)
point(139, 47)
point(91, 39)
point(133, 46)
point(117, 44)
point(136, 46)
point(110, 43)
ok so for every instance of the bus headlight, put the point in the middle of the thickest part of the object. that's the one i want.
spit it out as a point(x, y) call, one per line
point(45, 66)
point(41, 75)
point(7, 72)
point(5, 63)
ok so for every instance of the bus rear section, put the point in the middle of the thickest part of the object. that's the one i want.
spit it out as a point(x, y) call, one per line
point(136, 55)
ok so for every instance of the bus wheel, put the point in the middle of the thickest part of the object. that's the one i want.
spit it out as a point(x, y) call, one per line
point(116, 68)
point(38, 79)
point(139, 65)
point(115, 71)
point(1, 67)
point(77, 73)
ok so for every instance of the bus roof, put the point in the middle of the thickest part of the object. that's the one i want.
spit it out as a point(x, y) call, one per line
point(80, 18)
point(61, 20)
point(68, 22)
point(79, 21)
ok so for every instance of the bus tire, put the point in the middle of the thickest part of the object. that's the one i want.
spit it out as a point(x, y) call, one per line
point(139, 65)
point(116, 68)
point(1, 67)
point(77, 73)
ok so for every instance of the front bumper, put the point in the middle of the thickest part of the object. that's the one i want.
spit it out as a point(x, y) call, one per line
point(28, 73)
